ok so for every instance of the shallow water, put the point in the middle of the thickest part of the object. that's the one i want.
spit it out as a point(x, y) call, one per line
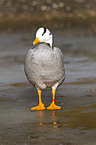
point(75, 123)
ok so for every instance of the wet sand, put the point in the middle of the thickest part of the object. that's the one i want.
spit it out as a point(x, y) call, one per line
point(75, 123)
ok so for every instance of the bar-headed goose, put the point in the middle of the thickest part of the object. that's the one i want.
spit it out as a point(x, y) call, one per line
point(44, 66)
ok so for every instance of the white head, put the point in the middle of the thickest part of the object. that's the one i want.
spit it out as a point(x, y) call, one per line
point(44, 35)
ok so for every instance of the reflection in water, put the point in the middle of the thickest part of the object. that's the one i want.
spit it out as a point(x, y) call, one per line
point(41, 117)
point(48, 118)
point(79, 117)
point(83, 118)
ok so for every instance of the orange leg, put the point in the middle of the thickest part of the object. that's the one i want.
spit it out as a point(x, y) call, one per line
point(41, 105)
point(53, 106)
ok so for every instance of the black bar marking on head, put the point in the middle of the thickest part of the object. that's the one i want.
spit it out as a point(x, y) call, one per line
point(44, 31)
point(50, 33)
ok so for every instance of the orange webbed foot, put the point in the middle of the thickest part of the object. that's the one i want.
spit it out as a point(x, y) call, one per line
point(53, 106)
point(39, 107)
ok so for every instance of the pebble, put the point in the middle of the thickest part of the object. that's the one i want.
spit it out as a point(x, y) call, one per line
point(43, 8)
point(68, 9)
point(49, 1)
point(54, 6)
point(61, 5)
point(62, 103)
point(33, 3)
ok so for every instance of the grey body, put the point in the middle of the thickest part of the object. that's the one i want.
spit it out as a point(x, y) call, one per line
point(44, 67)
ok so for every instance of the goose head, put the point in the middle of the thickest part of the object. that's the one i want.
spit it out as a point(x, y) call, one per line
point(44, 35)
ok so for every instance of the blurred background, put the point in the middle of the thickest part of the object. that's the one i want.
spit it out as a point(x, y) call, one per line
point(27, 14)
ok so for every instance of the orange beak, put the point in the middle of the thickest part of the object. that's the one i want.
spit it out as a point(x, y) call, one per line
point(36, 41)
